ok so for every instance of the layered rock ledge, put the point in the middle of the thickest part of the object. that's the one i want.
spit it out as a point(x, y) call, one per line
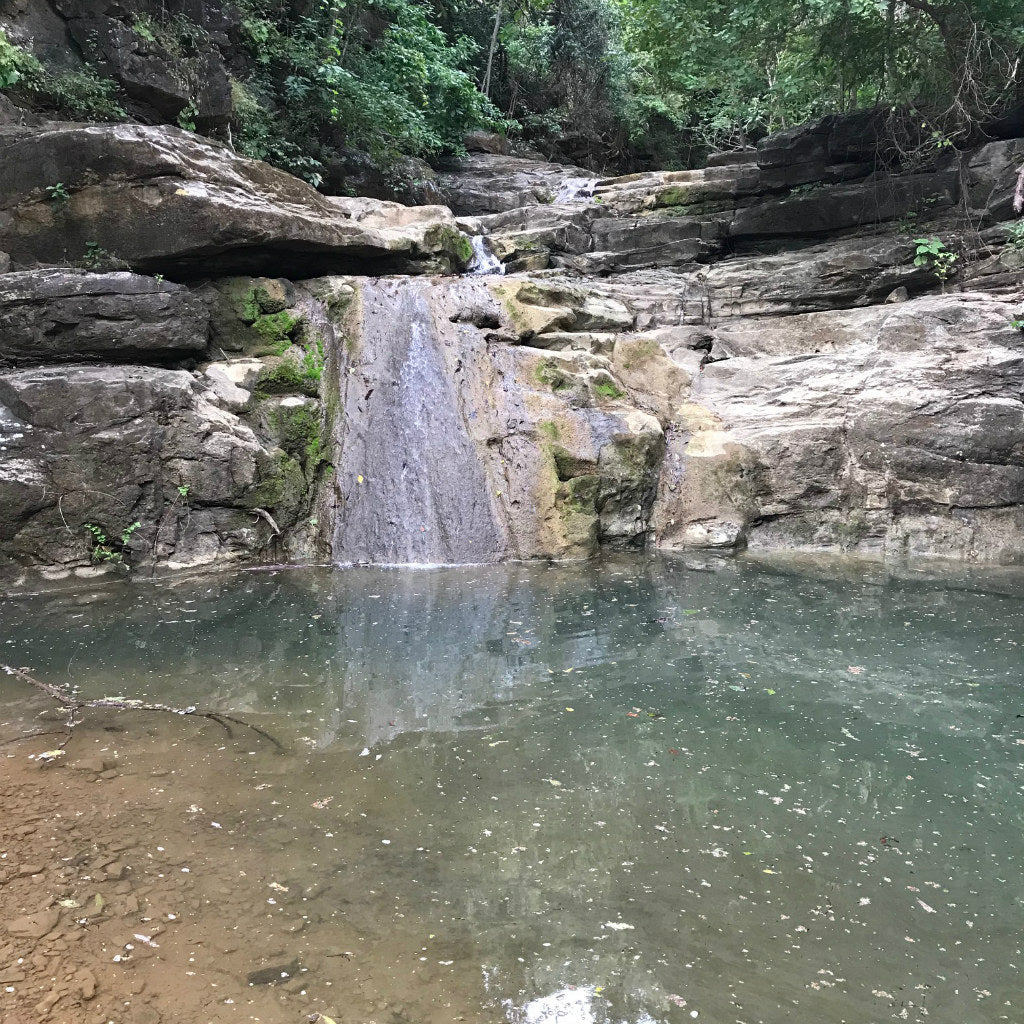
point(751, 355)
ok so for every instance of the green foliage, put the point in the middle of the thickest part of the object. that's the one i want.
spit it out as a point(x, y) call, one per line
point(187, 116)
point(378, 75)
point(77, 95)
point(729, 70)
point(58, 193)
point(1015, 236)
point(96, 257)
point(1018, 324)
point(16, 65)
point(83, 96)
point(106, 549)
point(183, 490)
point(932, 253)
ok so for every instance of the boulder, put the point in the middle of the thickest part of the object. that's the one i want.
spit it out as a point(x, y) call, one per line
point(486, 142)
point(115, 445)
point(887, 429)
point(163, 200)
point(162, 73)
point(991, 178)
point(485, 182)
point(74, 316)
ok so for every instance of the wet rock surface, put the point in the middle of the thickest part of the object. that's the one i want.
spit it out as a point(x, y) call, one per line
point(750, 353)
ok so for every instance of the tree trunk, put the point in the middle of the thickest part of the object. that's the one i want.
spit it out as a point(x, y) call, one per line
point(493, 48)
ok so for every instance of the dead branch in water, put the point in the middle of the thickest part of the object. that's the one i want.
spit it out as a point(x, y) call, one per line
point(72, 705)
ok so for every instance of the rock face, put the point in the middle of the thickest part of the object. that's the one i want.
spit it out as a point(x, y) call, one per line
point(749, 355)
point(165, 201)
point(74, 316)
point(894, 430)
point(110, 464)
point(458, 444)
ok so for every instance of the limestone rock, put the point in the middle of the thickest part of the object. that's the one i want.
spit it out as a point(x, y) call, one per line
point(884, 430)
point(112, 445)
point(163, 200)
point(485, 182)
point(74, 316)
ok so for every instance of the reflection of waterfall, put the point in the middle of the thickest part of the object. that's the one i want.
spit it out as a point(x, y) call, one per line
point(411, 485)
point(484, 261)
point(576, 190)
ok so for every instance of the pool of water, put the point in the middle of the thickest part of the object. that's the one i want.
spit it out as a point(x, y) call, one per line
point(634, 791)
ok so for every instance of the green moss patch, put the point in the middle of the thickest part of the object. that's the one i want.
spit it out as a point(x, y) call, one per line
point(277, 331)
point(607, 388)
point(551, 375)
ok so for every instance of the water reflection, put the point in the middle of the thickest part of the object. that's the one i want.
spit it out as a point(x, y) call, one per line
point(628, 792)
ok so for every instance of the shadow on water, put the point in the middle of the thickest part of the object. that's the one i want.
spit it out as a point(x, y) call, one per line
point(628, 790)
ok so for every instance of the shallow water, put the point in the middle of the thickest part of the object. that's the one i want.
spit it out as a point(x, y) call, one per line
point(626, 792)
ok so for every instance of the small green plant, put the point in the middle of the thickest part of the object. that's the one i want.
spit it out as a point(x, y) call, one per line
point(96, 257)
point(145, 27)
point(105, 549)
point(932, 253)
point(183, 490)
point(187, 116)
point(313, 360)
point(58, 193)
point(1018, 324)
point(1015, 236)
point(550, 374)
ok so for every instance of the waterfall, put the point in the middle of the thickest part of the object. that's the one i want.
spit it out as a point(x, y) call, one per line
point(484, 261)
point(412, 488)
point(575, 190)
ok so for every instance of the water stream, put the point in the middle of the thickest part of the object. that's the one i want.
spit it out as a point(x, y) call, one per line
point(576, 190)
point(484, 261)
point(412, 486)
point(634, 791)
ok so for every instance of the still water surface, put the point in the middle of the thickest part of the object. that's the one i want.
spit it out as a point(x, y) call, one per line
point(637, 791)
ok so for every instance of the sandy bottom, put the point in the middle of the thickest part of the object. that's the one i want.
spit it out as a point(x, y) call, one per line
point(149, 876)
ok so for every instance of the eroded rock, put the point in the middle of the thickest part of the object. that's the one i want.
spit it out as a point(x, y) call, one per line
point(167, 201)
point(49, 316)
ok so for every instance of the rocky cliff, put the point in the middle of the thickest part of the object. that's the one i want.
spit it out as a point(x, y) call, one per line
point(204, 360)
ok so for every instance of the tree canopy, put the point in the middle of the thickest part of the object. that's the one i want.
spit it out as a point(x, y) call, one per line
point(615, 83)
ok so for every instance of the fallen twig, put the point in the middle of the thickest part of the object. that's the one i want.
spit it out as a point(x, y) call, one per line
point(73, 705)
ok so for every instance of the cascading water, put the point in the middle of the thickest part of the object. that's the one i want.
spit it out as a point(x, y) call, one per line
point(484, 261)
point(576, 190)
point(412, 487)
